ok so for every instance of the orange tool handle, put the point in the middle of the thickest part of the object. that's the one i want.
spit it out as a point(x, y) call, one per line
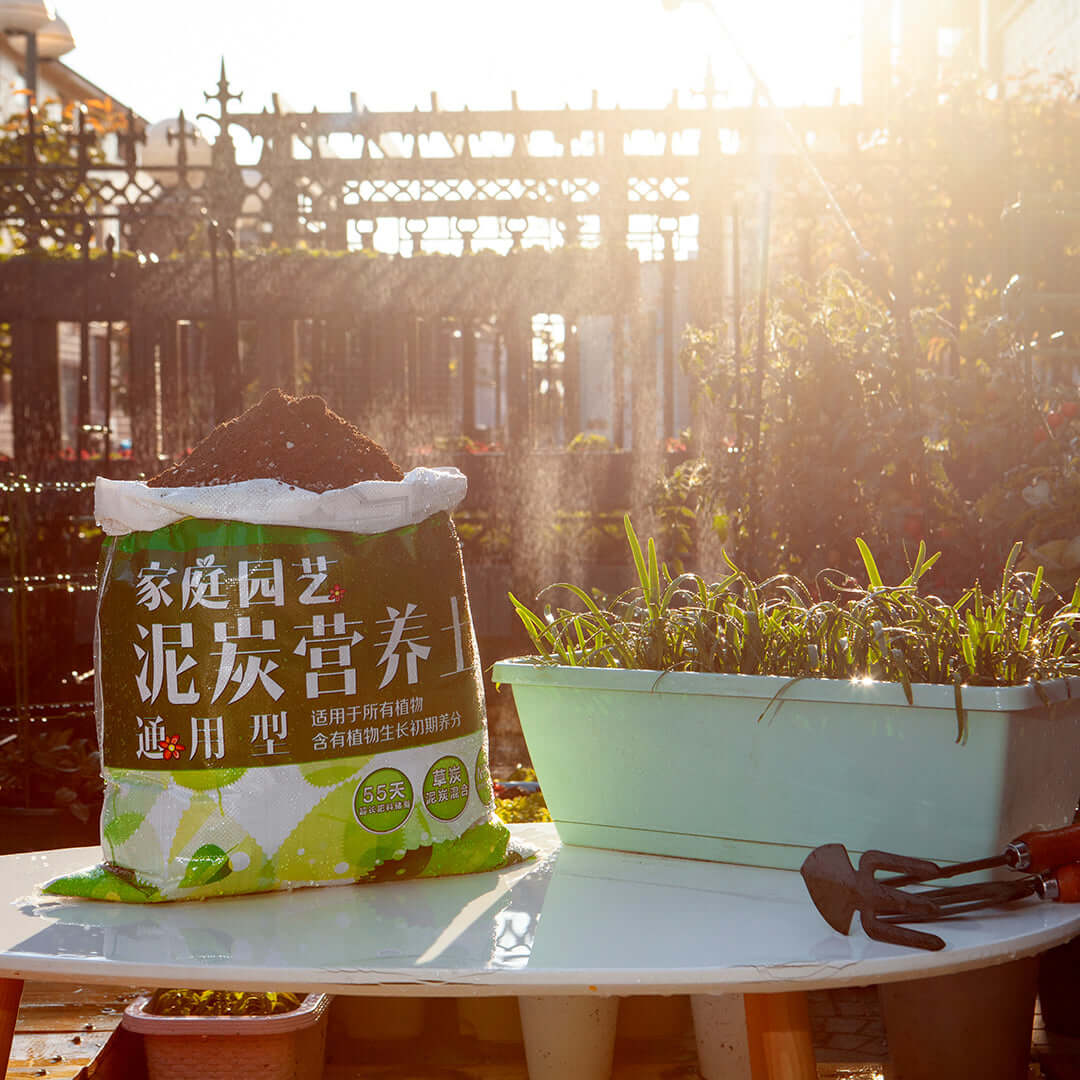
point(1038, 851)
point(1062, 884)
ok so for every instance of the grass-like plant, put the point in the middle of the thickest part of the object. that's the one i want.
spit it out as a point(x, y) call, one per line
point(222, 1003)
point(1022, 632)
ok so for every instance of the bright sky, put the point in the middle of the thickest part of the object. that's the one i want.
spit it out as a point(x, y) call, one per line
point(159, 57)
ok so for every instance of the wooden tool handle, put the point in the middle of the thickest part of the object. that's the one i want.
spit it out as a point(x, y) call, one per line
point(1039, 851)
point(1068, 883)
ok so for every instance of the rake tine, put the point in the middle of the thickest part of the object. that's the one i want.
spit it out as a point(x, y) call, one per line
point(987, 892)
point(997, 892)
point(894, 934)
point(879, 896)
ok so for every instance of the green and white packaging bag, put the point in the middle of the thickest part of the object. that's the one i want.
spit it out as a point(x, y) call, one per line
point(288, 691)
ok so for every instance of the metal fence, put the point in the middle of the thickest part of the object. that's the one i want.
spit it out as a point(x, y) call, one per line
point(674, 186)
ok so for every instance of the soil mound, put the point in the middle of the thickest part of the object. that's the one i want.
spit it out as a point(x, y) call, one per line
point(298, 441)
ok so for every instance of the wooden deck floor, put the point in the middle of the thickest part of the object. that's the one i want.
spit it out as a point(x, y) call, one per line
point(67, 1032)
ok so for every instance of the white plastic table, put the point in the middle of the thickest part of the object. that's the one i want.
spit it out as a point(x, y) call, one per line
point(568, 933)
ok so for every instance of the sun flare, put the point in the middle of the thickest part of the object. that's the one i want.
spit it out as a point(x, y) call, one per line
point(633, 54)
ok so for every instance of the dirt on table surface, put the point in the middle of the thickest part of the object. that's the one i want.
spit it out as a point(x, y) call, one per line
point(297, 440)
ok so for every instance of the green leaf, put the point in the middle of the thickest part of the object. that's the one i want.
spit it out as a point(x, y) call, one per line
point(654, 575)
point(613, 636)
point(208, 864)
point(961, 714)
point(122, 827)
point(1010, 562)
point(775, 699)
point(635, 550)
point(922, 565)
point(872, 573)
point(538, 630)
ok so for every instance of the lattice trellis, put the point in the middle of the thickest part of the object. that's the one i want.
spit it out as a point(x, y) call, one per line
point(553, 176)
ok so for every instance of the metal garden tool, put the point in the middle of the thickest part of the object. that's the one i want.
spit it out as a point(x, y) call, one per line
point(838, 891)
point(1034, 852)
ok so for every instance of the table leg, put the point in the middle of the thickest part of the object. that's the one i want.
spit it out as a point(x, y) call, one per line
point(779, 1038)
point(720, 1033)
point(975, 1023)
point(569, 1038)
point(10, 993)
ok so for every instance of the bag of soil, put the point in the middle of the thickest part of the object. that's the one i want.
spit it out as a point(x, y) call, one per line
point(288, 691)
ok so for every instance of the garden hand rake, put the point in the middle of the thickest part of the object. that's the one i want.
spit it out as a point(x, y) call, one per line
point(838, 890)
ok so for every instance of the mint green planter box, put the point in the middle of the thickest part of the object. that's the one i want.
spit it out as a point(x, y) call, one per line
point(680, 764)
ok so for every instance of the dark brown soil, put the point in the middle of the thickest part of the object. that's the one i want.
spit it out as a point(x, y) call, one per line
point(298, 441)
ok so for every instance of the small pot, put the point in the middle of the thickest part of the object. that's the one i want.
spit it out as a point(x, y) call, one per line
point(287, 1046)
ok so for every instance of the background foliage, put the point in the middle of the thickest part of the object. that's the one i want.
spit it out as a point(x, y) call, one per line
point(928, 392)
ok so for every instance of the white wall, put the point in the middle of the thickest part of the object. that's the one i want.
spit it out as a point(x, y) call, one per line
point(9, 82)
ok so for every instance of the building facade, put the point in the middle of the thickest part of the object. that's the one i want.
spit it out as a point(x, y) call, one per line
point(58, 86)
point(1040, 35)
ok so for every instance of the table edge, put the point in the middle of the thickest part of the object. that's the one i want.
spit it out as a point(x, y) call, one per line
point(903, 965)
point(509, 982)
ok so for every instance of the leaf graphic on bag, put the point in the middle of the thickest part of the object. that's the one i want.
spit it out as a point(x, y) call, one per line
point(128, 836)
point(209, 864)
point(320, 774)
point(101, 883)
point(478, 848)
point(207, 779)
point(122, 827)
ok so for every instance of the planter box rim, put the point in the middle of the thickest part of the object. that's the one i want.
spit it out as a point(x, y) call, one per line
point(307, 1014)
point(527, 671)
